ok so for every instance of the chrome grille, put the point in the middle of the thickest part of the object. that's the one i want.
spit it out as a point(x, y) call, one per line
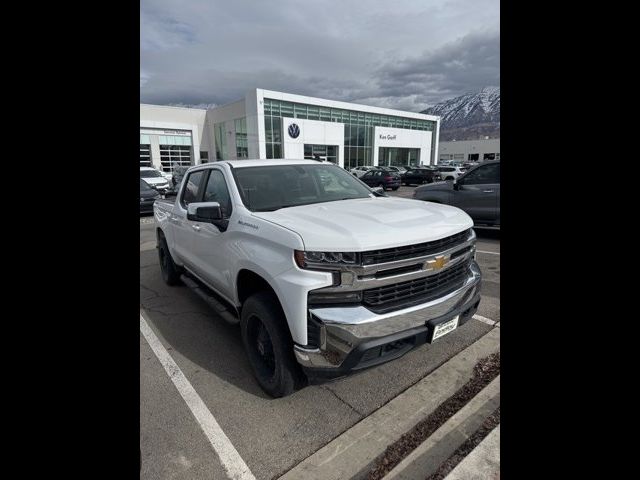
point(410, 251)
point(414, 292)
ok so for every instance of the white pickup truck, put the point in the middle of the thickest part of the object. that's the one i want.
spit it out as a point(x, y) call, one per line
point(324, 275)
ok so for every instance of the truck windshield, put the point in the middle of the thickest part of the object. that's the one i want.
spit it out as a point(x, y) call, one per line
point(269, 188)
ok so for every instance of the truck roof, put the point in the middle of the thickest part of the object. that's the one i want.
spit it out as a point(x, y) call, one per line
point(269, 162)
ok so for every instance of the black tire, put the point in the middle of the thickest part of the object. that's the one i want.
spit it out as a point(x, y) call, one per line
point(394, 188)
point(268, 345)
point(170, 271)
point(381, 185)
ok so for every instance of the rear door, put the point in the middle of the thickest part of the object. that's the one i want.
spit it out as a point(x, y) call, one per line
point(477, 193)
point(368, 178)
point(182, 228)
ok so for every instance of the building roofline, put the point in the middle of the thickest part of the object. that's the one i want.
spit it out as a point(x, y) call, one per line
point(346, 105)
point(173, 106)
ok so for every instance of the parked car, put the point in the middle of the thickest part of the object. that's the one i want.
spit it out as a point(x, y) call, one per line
point(477, 192)
point(167, 175)
point(154, 178)
point(273, 251)
point(392, 168)
point(380, 177)
point(148, 196)
point(361, 170)
point(420, 175)
point(450, 173)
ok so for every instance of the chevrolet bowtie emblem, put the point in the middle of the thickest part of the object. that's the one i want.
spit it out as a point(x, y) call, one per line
point(437, 263)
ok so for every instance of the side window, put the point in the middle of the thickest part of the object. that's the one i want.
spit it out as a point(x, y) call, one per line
point(368, 174)
point(483, 175)
point(217, 191)
point(191, 188)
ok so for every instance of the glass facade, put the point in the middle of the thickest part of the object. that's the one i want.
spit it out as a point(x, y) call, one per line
point(242, 147)
point(398, 157)
point(325, 152)
point(221, 141)
point(145, 151)
point(175, 150)
point(358, 129)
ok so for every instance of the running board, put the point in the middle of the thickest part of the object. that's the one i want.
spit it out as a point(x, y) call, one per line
point(204, 293)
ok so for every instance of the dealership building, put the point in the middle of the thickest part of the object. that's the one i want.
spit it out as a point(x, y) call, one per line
point(470, 150)
point(269, 124)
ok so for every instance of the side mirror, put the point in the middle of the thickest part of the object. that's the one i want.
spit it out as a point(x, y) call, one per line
point(207, 212)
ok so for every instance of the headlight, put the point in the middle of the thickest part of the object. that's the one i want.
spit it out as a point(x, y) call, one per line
point(305, 259)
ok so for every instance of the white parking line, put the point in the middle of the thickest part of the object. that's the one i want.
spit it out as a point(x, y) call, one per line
point(484, 251)
point(486, 320)
point(229, 457)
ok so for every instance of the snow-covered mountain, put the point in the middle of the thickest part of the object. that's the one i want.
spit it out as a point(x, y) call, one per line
point(472, 114)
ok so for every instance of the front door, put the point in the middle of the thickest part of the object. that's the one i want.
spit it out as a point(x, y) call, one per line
point(478, 192)
point(212, 260)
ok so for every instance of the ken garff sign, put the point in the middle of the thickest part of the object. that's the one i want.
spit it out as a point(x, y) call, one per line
point(294, 130)
point(387, 137)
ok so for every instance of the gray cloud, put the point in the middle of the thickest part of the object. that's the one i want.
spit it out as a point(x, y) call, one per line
point(405, 55)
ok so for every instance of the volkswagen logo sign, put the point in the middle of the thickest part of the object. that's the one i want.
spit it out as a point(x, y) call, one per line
point(294, 130)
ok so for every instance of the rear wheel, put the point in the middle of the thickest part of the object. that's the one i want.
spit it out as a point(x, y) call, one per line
point(170, 271)
point(394, 188)
point(268, 345)
point(381, 185)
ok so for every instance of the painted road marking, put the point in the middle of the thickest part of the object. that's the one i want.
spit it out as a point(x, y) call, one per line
point(491, 253)
point(230, 459)
point(486, 320)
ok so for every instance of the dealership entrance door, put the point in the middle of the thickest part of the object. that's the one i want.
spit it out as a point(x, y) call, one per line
point(325, 152)
point(397, 157)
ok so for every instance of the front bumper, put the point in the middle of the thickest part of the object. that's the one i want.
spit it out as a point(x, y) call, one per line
point(355, 338)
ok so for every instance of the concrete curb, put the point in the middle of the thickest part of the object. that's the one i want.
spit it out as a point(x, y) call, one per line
point(352, 454)
point(435, 450)
point(483, 463)
point(151, 245)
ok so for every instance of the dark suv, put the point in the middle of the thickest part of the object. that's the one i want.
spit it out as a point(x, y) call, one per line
point(477, 192)
point(380, 177)
point(418, 176)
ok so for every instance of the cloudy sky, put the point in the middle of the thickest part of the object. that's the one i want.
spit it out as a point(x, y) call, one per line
point(407, 54)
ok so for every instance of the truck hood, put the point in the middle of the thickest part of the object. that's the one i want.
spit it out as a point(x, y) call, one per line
point(369, 223)
point(436, 186)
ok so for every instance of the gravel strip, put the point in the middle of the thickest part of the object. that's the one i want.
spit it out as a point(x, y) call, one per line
point(484, 372)
point(467, 447)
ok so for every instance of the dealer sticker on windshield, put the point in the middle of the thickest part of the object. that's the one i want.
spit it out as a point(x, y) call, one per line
point(445, 327)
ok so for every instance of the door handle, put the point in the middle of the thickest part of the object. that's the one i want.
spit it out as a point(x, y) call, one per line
point(196, 227)
point(487, 191)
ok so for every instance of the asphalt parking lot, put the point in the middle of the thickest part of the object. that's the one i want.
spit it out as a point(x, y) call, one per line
point(270, 435)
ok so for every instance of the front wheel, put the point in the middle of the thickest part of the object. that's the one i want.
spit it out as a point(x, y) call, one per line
point(381, 185)
point(394, 188)
point(268, 345)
